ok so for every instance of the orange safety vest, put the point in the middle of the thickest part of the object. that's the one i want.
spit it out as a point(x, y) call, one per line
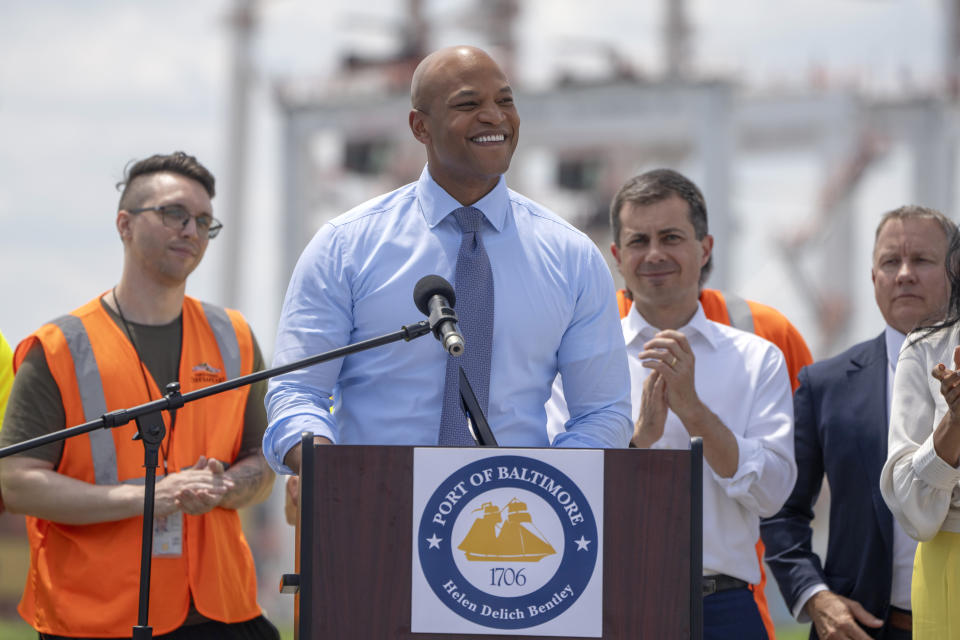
point(770, 324)
point(83, 579)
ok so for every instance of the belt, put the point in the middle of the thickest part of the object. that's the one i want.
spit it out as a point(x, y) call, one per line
point(900, 619)
point(720, 582)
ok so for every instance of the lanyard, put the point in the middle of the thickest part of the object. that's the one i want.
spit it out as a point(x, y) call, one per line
point(146, 384)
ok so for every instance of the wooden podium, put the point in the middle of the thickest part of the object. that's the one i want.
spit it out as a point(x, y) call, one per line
point(355, 537)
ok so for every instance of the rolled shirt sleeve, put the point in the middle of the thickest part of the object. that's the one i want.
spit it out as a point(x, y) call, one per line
point(554, 311)
point(316, 317)
point(743, 380)
point(593, 367)
point(766, 469)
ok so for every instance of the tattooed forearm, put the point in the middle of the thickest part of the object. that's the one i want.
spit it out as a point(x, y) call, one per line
point(253, 480)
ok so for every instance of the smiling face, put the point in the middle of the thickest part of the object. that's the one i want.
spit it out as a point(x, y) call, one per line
point(465, 116)
point(909, 276)
point(660, 258)
point(157, 252)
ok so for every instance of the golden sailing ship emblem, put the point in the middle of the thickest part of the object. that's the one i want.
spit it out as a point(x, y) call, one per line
point(516, 540)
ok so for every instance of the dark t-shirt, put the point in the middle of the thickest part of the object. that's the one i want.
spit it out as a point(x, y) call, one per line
point(36, 408)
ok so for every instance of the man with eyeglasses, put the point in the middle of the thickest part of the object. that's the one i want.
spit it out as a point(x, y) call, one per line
point(84, 497)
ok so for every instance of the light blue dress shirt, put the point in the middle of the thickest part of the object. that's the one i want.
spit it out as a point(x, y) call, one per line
point(555, 311)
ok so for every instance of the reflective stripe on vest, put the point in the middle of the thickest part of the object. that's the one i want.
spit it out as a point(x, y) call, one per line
point(102, 448)
point(739, 311)
point(226, 337)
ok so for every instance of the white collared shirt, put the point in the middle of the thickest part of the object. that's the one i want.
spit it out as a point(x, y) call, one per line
point(904, 547)
point(743, 379)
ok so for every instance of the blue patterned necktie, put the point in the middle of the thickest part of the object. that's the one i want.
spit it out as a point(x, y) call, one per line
point(474, 288)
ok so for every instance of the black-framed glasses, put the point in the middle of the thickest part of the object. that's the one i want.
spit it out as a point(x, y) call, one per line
point(177, 217)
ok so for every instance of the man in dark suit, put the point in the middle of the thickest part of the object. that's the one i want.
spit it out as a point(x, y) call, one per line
point(841, 410)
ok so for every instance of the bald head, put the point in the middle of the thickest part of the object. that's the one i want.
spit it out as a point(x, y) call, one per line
point(464, 115)
point(437, 68)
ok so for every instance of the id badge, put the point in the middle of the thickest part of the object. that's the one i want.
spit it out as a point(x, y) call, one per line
point(168, 535)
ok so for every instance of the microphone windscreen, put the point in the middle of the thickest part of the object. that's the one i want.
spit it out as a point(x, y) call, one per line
point(430, 286)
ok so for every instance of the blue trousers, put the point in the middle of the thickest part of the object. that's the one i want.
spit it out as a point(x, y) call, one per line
point(732, 615)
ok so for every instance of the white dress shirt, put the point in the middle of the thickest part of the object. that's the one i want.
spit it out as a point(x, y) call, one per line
point(904, 547)
point(743, 379)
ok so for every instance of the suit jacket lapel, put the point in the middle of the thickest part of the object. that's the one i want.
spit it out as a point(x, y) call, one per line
point(867, 375)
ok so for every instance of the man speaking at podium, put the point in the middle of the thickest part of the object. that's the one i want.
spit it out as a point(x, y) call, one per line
point(533, 295)
point(84, 497)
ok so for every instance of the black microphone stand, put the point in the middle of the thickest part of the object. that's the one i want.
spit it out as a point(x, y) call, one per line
point(151, 430)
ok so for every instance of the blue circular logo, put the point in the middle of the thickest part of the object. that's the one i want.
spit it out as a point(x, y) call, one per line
point(508, 542)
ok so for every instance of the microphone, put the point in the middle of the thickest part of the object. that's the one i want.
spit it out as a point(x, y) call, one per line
point(435, 298)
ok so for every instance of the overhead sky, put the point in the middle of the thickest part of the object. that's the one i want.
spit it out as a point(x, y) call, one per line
point(87, 86)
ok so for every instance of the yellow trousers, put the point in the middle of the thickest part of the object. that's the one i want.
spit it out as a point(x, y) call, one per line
point(935, 596)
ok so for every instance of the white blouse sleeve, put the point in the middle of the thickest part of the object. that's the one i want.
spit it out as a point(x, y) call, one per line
point(916, 484)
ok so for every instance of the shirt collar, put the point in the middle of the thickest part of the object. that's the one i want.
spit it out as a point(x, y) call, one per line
point(895, 341)
point(635, 325)
point(436, 204)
